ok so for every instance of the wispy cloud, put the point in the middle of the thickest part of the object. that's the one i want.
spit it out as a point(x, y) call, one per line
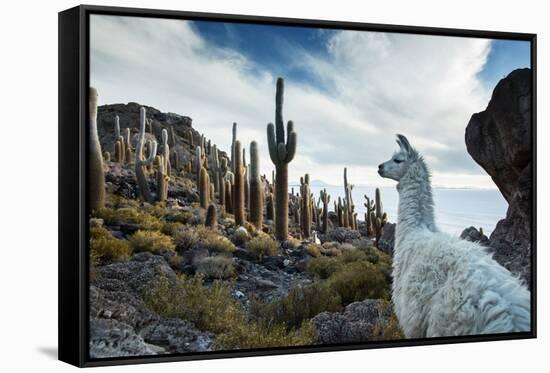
point(364, 88)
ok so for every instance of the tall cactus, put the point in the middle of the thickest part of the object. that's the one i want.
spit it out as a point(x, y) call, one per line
point(141, 163)
point(270, 207)
point(128, 146)
point(163, 175)
point(369, 205)
point(348, 202)
point(256, 187)
point(228, 196)
point(281, 154)
point(325, 199)
point(340, 213)
point(305, 207)
point(379, 217)
point(233, 139)
point(238, 190)
point(97, 177)
point(204, 188)
point(221, 181)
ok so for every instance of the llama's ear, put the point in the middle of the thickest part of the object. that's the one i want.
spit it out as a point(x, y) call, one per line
point(404, 143)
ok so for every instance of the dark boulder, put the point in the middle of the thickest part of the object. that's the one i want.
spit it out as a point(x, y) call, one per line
point(387, 240)
point(499, 139)
point(474, 235)
point(356, 324)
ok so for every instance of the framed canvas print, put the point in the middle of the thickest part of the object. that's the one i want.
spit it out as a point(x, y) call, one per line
point(234, 186)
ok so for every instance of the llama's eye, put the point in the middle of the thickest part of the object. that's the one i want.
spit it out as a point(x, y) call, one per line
point(398, 160)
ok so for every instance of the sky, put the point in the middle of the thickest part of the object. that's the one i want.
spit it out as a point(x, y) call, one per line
point(348, 92)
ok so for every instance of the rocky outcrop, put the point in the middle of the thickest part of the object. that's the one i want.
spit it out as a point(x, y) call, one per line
point(474, 235)
point(356, 324)
point(499, 140)
point(387, 240)
point(120, 322)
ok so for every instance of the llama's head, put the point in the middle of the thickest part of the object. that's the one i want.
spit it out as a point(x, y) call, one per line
point(400, 162)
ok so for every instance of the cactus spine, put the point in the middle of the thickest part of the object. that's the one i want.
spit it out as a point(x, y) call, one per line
point(305, 207)
point(97, 177)
point(281, 154)
point(140, 165)
point(256, 187)
point(204, 188)
point(238, 190)
point(325, 199)
point(211, 217)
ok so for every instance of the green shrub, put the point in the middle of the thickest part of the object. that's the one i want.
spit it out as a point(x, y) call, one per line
point(240, 237)
point(314, 250)
point(254, 335)
point(323, 267)
point(129, 215)
point(217, 243)
point(152, 241)
point(105, 248)
point(300, 304)
point(216, 267)
point(387, 328)
point(214, 309)
point(263, 245)
point(358, 281)
point(210, 308)
point(293, 243)
point(185, 238)
point(175, 261)
point(171, 228)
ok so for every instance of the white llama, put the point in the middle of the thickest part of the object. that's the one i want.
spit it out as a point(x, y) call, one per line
point(442, 285)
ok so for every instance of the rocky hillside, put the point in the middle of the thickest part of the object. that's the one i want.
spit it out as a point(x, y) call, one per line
point(499, 140)
point(174, 275)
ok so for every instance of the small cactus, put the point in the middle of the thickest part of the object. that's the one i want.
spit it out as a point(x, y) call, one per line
point(204, 188)
point(281, 153)
point(141, 163)
point(107, 156)
point(211, 217)
point(369, 205)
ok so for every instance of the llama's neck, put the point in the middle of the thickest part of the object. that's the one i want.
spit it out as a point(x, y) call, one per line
point(416, 205)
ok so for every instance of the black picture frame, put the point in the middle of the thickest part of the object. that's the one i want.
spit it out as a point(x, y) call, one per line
point(73, 211)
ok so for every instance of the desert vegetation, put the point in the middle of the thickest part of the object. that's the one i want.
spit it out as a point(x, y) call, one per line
point(247, 263)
